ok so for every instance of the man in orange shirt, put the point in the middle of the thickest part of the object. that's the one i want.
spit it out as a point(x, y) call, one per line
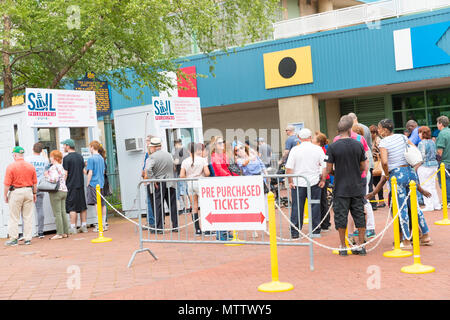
point(21, 183)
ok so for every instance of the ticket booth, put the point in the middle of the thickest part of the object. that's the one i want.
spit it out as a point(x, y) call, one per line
point(182, 120)
point(17, 127)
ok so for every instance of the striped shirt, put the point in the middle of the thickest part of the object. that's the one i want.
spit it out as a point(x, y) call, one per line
point(395, 146)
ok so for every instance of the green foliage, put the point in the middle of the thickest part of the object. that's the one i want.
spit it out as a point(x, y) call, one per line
point(56, 41)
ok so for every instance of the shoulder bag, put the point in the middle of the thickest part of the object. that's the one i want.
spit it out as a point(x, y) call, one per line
point(412, 154)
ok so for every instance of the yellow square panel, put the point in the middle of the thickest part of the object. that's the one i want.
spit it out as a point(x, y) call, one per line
point(288, 67)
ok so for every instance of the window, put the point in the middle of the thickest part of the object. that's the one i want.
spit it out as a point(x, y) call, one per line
point(423, 107)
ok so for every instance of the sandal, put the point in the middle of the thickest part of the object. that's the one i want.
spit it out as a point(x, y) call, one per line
point(56, 237)
point(426, 242)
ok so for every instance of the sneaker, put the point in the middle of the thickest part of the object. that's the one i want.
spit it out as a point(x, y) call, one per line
point(41, 235)
point(73, 230)
point(11, 243)
point(83, 229)
point(370, 234)
point(27, 242)
point(198, 232)
point(105, 227)
point(427, 209)
point(325, 229)
point(360, 251)
point(382, 205)
point(296, 236)
point(343, 252)
point(20, 238)
point(354, 234)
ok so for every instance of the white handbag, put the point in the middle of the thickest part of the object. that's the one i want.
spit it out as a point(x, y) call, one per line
point(412, 154)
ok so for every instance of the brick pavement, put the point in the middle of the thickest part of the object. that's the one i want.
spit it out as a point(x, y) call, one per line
point(214, 271)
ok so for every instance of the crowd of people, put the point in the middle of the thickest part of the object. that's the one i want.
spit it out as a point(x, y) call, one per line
point(355, 166)
point(62, 176)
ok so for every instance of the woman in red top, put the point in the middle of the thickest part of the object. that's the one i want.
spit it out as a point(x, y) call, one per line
point(220, 162)
point(321, 140)
point(219, 158)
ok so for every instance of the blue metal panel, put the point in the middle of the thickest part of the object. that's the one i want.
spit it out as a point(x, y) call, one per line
point(347, 58)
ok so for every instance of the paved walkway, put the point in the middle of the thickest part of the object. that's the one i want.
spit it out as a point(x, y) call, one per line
point(47, 269)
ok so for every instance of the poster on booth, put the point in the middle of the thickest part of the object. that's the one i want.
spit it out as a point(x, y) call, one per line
point(232, 203)
point(171, 113)
point(60, 108)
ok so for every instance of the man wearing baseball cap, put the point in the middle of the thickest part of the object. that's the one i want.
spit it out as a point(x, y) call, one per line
point(73, 163)
point(308, 160)
point(20, 194)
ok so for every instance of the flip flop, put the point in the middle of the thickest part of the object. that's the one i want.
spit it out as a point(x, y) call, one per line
point(426, 243)
point(56, 237)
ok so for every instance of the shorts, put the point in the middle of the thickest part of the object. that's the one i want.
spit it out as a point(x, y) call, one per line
point(76, 201)
point(182, 188)
point(341, 206)
point(92, 196)
point(193, 188)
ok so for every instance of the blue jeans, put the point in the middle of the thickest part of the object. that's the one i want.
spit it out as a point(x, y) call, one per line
point(150, 215)
point(447, 182)
point(298, 205)
point(404, 175)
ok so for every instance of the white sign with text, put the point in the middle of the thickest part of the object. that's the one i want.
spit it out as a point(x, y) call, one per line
point(232, 203)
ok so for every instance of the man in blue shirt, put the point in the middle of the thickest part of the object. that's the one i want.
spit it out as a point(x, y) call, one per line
point(291, 142)
point(413, 129)
point(95, 176)
point(40, 162)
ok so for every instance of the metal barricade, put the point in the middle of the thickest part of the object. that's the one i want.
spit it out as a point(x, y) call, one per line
point(178, 226)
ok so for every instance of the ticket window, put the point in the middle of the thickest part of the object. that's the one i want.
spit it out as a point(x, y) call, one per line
point(48, 137)
point(185, 134)
point(80, 137)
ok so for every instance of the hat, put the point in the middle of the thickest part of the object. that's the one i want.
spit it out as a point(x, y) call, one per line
point(305, 133)
point(155, 142)
point(69, 142)
point(18, 150)
point(260, 139)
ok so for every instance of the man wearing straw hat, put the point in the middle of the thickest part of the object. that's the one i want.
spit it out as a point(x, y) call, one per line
point(159, 165)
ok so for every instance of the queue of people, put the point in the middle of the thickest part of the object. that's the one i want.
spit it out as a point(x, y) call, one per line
point(65, 173)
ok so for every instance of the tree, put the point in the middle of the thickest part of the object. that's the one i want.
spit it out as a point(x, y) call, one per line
point(47, 43)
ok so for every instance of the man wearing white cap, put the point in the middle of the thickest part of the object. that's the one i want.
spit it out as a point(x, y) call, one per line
point(308, 160)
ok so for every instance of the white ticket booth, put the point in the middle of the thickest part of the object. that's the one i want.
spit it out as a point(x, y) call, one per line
point(167, 118)
point(49, 117)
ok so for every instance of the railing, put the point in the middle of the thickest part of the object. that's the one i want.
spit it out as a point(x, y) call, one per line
point(368, 13)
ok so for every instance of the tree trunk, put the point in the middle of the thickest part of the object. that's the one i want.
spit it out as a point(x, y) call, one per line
point(7, 71)
point(71, 63)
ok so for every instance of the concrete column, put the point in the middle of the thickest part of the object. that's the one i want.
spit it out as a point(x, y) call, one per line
point(325, 5)
point(298, 109)
point(333, 111)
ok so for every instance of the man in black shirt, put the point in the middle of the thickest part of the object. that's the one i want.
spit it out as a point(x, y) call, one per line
point(349, 161)
point(73, 163)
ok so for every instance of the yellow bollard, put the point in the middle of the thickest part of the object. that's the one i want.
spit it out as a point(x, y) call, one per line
point(235, 241)
point(417, 267)
point(306, 215)
point(397, 252)
point(100, 238)
point(275, 285)
point(349, 251)
point(445, 221)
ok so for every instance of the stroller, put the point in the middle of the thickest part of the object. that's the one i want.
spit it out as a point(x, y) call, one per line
point(278, 184)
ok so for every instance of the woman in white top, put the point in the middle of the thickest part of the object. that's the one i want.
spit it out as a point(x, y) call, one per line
point(194, 167)
point(55, 174)
point(392, 148)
